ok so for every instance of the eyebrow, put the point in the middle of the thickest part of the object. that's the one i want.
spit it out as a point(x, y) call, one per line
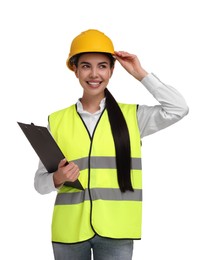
point(102, 62)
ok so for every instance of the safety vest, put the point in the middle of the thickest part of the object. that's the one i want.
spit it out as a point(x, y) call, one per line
point(101, 208)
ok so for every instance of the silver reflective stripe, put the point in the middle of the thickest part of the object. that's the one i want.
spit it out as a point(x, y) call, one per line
point(136, 163)
point(98, 194)
point(115, 194)
point(82, 163)
point(105, 162)
point(72, 198)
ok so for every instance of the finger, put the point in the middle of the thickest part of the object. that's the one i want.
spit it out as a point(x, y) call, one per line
point(73, 175)
point(70, 166)
point(122, 53)
point(71, 170)
point(62, 163)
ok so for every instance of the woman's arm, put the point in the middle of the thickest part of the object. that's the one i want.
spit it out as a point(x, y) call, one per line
point(172, 107)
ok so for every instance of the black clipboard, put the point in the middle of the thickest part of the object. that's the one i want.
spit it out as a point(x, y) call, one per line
point(46, 148)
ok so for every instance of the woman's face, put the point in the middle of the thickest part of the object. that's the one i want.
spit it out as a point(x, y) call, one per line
point(93, 71)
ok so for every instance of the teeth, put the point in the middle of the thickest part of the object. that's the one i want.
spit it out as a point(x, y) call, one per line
point(94, 83)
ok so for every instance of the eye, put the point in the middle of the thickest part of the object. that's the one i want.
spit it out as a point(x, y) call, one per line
point(102, 66)
point(85, 66)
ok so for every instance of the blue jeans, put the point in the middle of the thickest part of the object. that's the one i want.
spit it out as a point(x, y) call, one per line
point(103, 249)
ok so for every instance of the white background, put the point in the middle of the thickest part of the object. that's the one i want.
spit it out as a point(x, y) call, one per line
point(170, 39)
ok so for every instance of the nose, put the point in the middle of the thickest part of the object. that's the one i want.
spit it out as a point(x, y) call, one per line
point(93, 73)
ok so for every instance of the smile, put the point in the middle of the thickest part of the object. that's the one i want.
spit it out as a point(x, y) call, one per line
point(94, 84)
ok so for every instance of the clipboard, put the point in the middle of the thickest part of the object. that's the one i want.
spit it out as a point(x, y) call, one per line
point(46, 148)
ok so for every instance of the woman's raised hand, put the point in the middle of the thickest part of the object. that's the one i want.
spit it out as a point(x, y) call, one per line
point(131, 63)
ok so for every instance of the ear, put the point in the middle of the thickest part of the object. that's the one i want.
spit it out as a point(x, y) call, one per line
point(112, 69)
point(75, 70)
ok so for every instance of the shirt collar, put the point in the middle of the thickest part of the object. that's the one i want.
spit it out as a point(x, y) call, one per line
point(81, 110)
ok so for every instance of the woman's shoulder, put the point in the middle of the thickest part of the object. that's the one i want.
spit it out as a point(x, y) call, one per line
point(63, 110)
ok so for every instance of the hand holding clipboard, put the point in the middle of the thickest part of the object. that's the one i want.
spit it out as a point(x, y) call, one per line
point(46, 148)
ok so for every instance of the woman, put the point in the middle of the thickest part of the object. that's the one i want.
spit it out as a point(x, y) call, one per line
point(101, 139)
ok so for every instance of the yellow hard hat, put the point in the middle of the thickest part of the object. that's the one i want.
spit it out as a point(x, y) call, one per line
point(90, 41)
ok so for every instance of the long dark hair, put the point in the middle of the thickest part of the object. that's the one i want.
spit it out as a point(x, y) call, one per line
point(120, 134)
point(122, 142)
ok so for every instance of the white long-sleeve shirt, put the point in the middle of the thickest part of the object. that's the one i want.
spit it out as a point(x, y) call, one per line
point(171, 108)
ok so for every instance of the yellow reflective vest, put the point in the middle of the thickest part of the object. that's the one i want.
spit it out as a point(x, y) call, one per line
point(101, 208)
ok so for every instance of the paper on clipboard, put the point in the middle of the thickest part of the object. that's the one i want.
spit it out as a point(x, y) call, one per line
point(46, 148)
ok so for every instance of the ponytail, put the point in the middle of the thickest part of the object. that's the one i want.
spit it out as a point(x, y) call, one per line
point(122, 142)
